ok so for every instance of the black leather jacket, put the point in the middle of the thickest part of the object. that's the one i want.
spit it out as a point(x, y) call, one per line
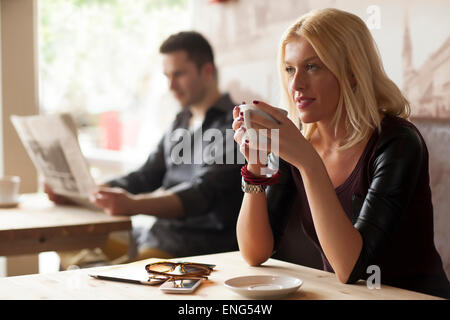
point(391, 208)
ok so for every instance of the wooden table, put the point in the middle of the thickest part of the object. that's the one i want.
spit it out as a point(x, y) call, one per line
point(37, 225)
point(77, 284)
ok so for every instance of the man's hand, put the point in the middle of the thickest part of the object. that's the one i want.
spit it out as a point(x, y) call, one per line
point(56, 198)
point(115, 201)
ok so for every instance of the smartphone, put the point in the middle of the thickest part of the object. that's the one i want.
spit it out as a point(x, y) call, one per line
point(181, 286)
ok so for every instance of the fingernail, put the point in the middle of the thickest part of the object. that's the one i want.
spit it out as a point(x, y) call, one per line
point(255, 101)
point(243, 102)
point(247, 141)
point(241, 113)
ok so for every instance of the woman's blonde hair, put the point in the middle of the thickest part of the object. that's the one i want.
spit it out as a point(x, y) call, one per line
point(344, 44)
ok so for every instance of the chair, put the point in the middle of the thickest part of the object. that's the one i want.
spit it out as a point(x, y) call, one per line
point(436, 133)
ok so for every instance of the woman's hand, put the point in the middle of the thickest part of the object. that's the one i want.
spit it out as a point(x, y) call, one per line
point(283, 138)
point(115, 201)
point(254, 163)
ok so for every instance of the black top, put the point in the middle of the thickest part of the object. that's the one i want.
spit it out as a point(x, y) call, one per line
point(388, 199)
point(201, 177)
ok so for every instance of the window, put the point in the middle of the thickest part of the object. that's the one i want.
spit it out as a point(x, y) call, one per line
point(99, 60)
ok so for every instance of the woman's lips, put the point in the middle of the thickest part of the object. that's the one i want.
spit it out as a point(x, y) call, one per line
point(303, 102)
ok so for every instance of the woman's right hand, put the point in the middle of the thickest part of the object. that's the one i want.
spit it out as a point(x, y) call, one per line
point(253, 229)
point(239, 130)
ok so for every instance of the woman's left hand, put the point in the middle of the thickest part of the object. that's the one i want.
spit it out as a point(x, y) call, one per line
point(292, 146)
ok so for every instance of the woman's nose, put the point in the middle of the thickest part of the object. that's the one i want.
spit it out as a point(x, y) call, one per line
point(298, 82)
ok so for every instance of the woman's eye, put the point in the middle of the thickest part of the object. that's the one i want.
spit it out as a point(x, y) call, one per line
point(290, 70)
point(311, 66)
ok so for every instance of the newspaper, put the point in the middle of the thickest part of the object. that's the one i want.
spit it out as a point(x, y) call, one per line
point(52, 144)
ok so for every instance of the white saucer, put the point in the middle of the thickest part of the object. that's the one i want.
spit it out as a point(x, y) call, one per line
point(260, 287)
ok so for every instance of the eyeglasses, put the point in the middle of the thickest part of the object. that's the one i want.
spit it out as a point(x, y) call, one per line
point(167, 270)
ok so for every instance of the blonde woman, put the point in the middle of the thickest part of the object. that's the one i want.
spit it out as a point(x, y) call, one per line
point(348, 153)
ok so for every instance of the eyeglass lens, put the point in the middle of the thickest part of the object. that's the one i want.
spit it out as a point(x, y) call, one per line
point(178, 268)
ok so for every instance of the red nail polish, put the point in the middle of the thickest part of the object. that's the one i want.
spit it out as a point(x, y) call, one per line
point(241, 114)
point(255, 101)
point(246, 141)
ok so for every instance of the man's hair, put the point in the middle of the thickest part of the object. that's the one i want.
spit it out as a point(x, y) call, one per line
point(197, 47)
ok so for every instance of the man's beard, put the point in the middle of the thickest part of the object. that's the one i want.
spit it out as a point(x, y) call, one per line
point(198, 98)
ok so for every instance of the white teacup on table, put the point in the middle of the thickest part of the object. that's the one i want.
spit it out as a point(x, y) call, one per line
point(9, 191)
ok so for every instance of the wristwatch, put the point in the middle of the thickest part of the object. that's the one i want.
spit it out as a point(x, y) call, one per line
point(252, 188)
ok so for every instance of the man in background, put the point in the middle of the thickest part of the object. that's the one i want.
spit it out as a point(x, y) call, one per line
point(196, 203)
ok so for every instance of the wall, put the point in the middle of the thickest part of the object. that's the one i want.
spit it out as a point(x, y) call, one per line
point(18, 95)
point(246, 34)
point(18, 85)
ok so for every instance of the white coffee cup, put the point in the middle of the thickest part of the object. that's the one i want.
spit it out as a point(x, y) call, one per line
point(246, 109)
point(9, 190)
